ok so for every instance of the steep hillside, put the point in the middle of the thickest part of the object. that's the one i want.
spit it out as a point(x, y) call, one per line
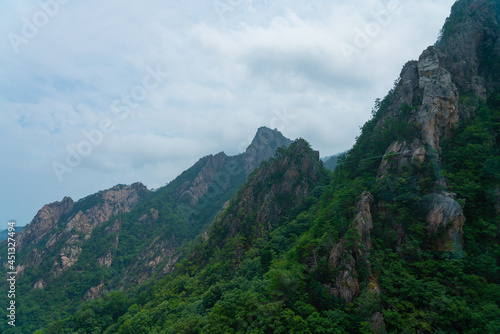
point(116, 239)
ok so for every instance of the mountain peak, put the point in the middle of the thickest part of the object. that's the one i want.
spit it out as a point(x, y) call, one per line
point(263, 147)
point(470, 40)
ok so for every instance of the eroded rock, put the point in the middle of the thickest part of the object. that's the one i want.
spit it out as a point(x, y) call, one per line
point(446, 217)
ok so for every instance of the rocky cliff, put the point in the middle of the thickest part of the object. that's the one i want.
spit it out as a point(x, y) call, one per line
point(270, 194)
point(273, 190)
point(65, 226)
point(429, 102)
point(218, 173)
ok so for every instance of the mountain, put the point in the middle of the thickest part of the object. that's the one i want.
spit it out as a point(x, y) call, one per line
point(331, 162)
point(402, 237)
point(123, 236)
point(4, 235)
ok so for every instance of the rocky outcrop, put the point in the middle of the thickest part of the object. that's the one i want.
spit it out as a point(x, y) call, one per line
point(263, 147)
point(438, 113)
point(58, 233)
point(378, 324)
point(218, 173)
point(269, 194)
point(117, 200)
point(94, 292)
point(400, 155)
point(353, 250)
point(446, 218)
point(273, 190)
point(70, 229)
point(106, 260)
point(454, 66)
point(44, 223)
point(39, 285)
point(212, 169)
point(467, 32)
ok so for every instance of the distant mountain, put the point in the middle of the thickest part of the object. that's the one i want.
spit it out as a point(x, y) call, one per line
point(4, 235)
point(331, 161)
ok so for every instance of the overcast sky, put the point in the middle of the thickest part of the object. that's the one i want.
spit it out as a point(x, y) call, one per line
point(97, 93)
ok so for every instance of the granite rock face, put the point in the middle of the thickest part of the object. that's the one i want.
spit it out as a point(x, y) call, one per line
point(44, 222)
point(353, 250)
point(400, 155)
point(67, 228)
point(263, 148)
point(217, 173)
point(446, 217)
point(438, 112)
point(427, 97)
point(265, 193)
point(471, 28)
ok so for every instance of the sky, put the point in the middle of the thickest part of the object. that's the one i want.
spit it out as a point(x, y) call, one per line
point(98, 93)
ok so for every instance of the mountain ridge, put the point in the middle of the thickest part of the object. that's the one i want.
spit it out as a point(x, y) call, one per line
point(98, 232)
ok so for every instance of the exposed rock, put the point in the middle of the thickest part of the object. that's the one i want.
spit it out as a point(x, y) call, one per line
point(399, 155)
point(293, 180)
point(213, 167)
point(44, 222)
point(69, 254)
point(119, 199)
point(94, 292)
point(53, 241)
point(363, 221)
point(80, 223)
point(438, 113)
point(409, 91)
point(345, 258)
point(346, 286)
point(220, 172)
point(445, 214)
point(427, 87)
point(152, 215)
point(19, 268)
point(378, 324)
point(468, 32)
point(78, 228)
point(106, 260)
point(169, 267)
point(39, 285)
point(336, 253)
point(263, 147)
